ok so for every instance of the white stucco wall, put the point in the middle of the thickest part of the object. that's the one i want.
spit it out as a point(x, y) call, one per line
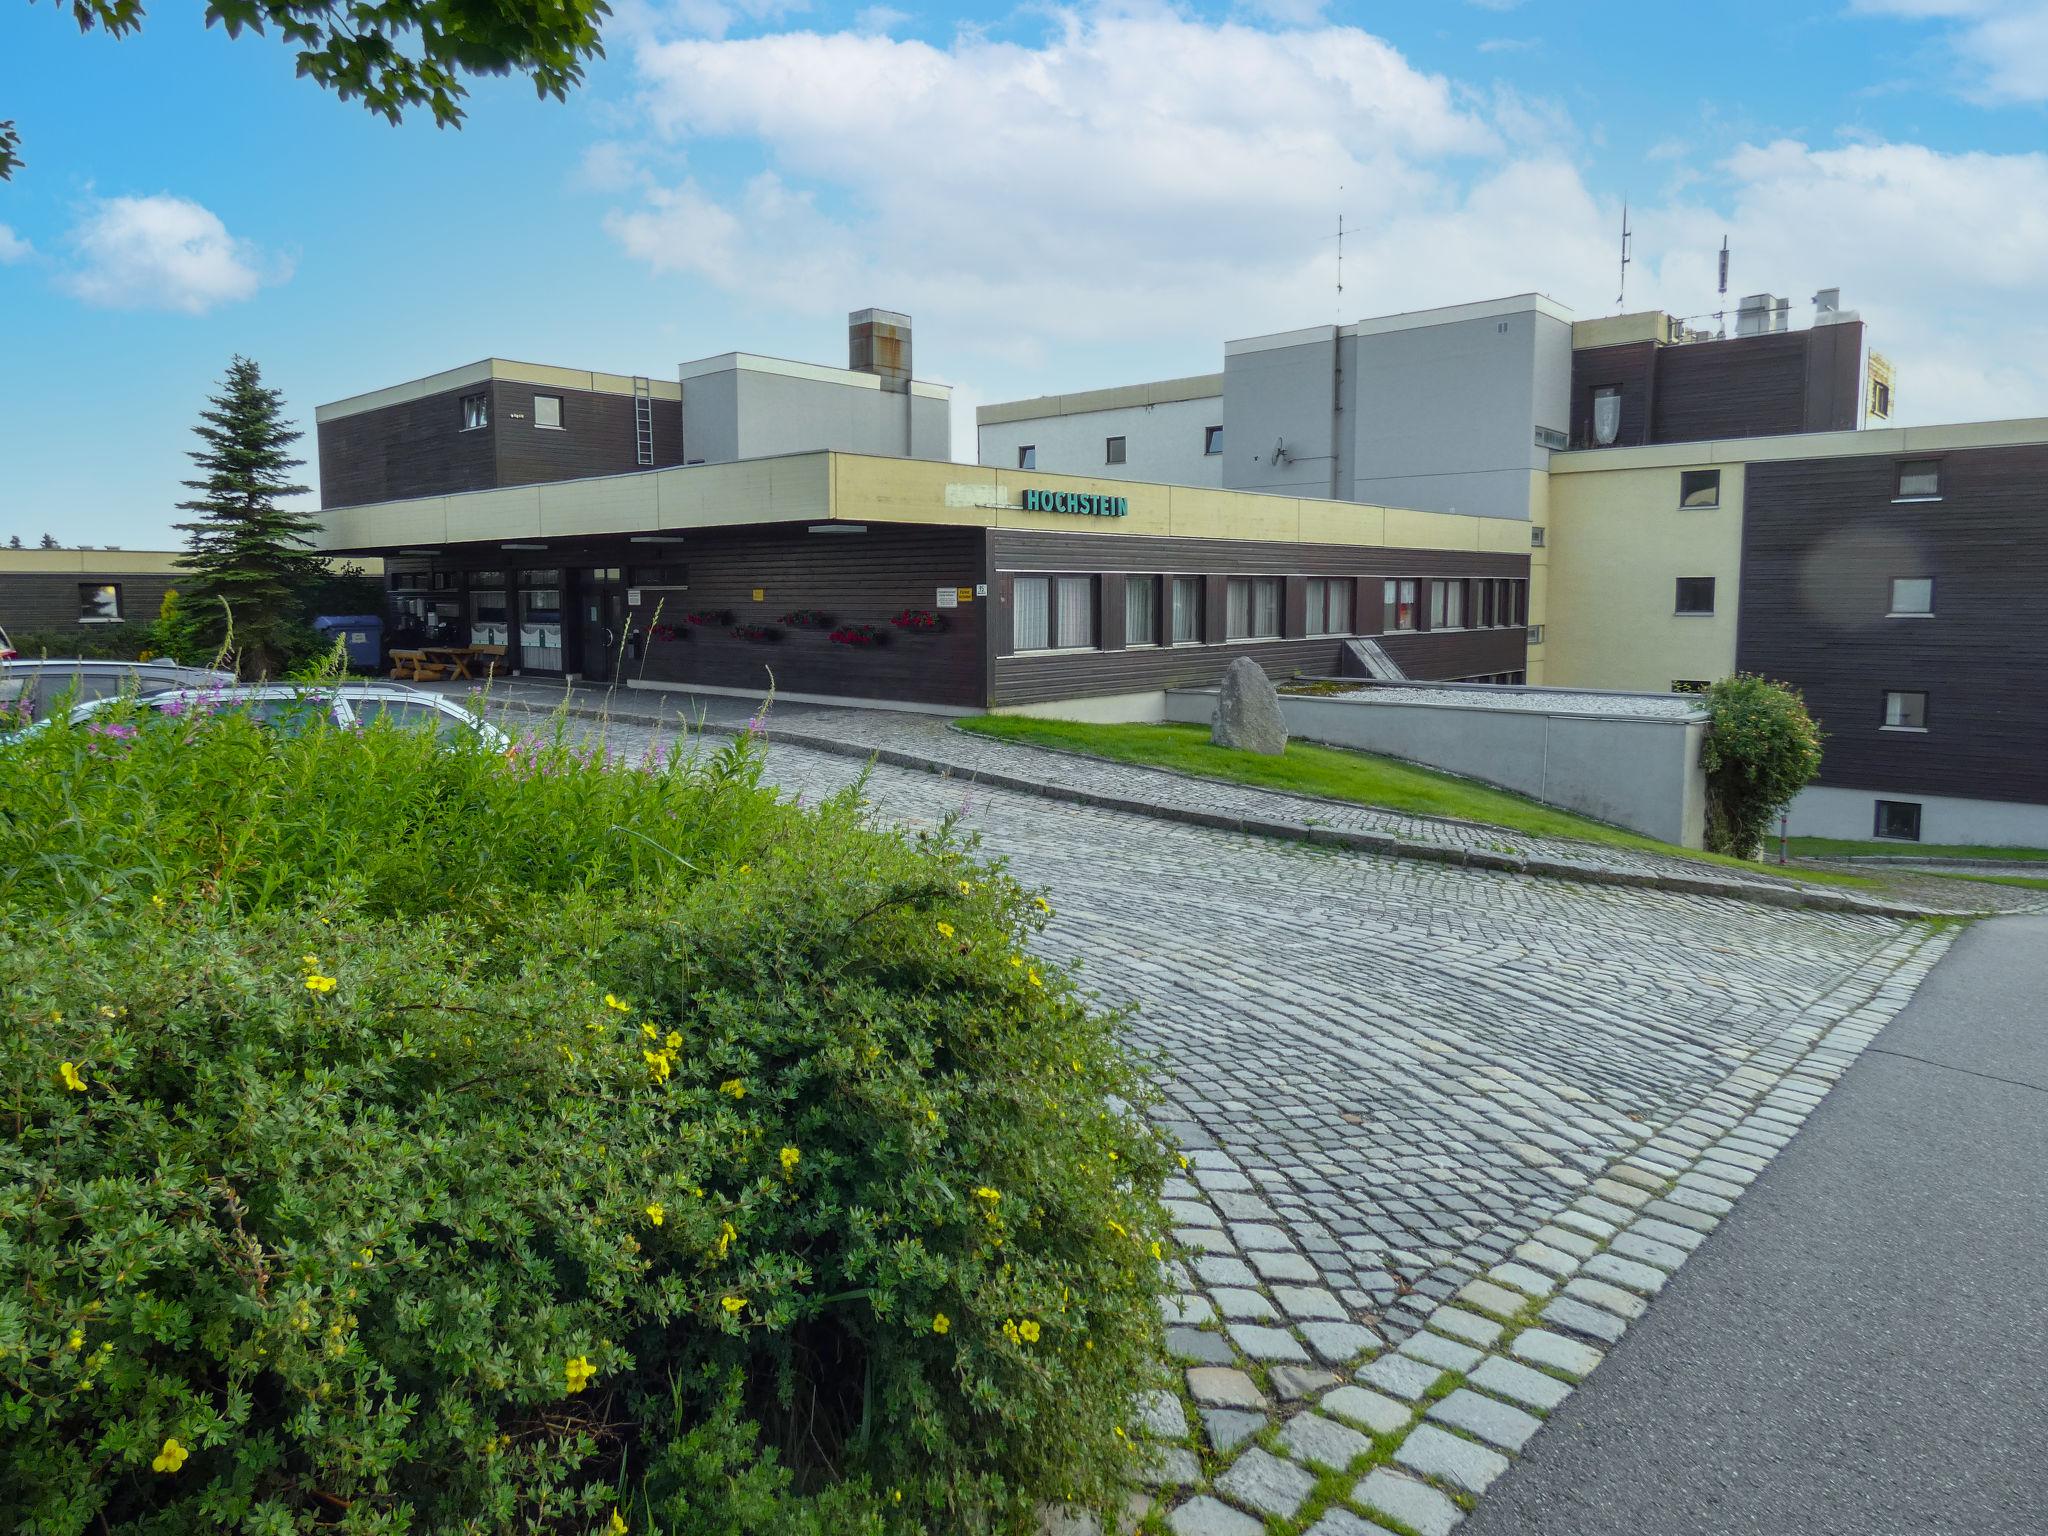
point(1823, 811)
point(1162, 443)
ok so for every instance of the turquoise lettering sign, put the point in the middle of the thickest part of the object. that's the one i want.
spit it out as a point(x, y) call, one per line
point(1077, 503)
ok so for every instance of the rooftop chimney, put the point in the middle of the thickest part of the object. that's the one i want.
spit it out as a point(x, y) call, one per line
point(878, 342)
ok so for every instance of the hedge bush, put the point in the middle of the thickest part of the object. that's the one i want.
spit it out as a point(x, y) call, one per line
point(1762, 748)
point(414, 1140)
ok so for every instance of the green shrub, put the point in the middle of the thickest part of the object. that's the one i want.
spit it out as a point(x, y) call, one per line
point(657, 1148)
point(1762, 748)
point(92, 642)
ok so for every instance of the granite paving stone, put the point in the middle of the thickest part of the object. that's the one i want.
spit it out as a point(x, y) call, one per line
point(1440, 1454)
point(1401, 1375)
point(1160, 1413)
point(1200, 1345)
point(1339, 1343)
point(1340, 1521)
point(1511, 1379)
point(1204, 1516)
point(1268, 1345)
point(1236, 1303)
point(1306, 1302)
point(1437, 1350)
point(1626, 1272)
point(1542, 1347)
point(1381, 1415)
point(1323, 1442)
point(1635, 1244)
point(1626, 1305)
point(1578, 1317)
point(1283, 1266)
point(1228, 1428)
point(1493, 1421)
point(1416, 1505)
point(1291, 1383)
point(1469, 1327)
point(1262, 1481)
point(1218, 1386)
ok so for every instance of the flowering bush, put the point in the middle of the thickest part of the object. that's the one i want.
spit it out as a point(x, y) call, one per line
point(662, 632)
point(717, 1166)
point(709, 616)
point(855, 634)
point(806, 618)
point(1762, 748)
point(918, 619)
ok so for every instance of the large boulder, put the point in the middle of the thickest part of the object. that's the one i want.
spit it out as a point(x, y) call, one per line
point(1248, 711)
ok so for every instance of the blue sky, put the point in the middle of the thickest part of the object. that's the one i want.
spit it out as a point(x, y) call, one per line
point(1061, 197)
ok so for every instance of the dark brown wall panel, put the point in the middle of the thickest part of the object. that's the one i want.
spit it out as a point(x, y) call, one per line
point(1631, 365)
point(1834, 377)
point(1746, 387)
point(46, 600)
point(418, 447)
point(1822, 541)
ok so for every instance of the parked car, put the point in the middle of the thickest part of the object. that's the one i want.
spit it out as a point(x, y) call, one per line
point(30, 685)
point(295, 707)
point(7, 650)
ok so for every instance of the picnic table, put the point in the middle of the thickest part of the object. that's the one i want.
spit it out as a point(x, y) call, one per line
point(436, 663)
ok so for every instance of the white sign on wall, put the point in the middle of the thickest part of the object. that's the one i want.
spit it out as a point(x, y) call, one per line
point(949, 597)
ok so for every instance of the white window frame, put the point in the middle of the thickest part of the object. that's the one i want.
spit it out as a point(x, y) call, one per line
point(1251, 589)
point(1391, 600)
point(1175, 586)
point(1895, 710)
point(1896, 612)
point(1150, 586)
point(548, 426)
point(480, 418)
point(1899, 491)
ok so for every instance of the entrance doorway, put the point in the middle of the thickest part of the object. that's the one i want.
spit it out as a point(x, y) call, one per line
point(601, 611)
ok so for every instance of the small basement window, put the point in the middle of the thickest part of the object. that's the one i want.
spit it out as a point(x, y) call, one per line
point(1912, 597)
point(1113, 451)
point(1027, 456)
point(476, 412)
point(547, 411)
point(99, 602)
point(1898, 821)
point(1699, 488)
point(1918, 480)
point(1905, 711)
point(1695, 595)
point(1212, 440)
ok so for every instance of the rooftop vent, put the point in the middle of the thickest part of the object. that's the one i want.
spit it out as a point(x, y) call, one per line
point(1761, 314)
point(878, 342)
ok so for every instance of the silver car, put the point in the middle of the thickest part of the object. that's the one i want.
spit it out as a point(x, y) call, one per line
point(29, 686)
point(292, 707)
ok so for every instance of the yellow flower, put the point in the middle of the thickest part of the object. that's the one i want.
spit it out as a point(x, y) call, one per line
point(156, 901)
point(68, 1071)
point(674, 1042)
point(1042, 904)
point(744, 868)
point(579, 1371)
point(896, 1495)
point(1118, 1229)
point(618, 1524)
point(655, 1213)
point(615, 1005)
point(1010, 1329)
point(319, 983)
point(733, 1087)
point(941, 1323)
point(1017, 962)
point(945, 930)
point(1029, 1328)
point(789, 1158)
point(650, 1031)
point(171, 1457)
point(310, 962)
point(734, 1304)
point(77, 1339)
point(990, 1195)
point(1033, 975)
point(1157, 1251)
point(966, 888)
point(726, 1233)
point(657, 1064)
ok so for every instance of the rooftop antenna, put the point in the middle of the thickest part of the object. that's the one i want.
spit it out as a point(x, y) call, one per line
point(1626, 240)
point(1340, 253)
point(1721, 314)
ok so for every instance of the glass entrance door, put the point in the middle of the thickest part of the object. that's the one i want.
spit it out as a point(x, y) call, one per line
point(601, 618)
point(540, 621)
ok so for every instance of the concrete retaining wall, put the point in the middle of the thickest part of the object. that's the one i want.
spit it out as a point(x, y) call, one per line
point(1635, 771)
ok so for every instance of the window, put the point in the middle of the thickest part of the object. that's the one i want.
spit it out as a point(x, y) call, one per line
point(1695, 595)
point(1212, 440)
point(1329, 605)
point(1399, 598)
point(1483, 603)
point(1113, 451)
point(1521, 601)
point(547, 411)
point(1898, 820)
point(1606, 415)
point(1918, 480)
point(1690, 685)
point(1187, 610)
point(1880, 398)
point(1027, 456)
point(1912, 597)
point(1447, 605)
point(1550, 437)
point(99, 602)
point(1535, 535)
point(1252, 605)
point(1905, 711)
point(476, 412)
point(1141, 610)
point(1053, 613)
point(1535, 634)
point(1699, 488)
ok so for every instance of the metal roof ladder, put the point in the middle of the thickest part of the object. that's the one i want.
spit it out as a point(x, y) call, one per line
point(643, 420)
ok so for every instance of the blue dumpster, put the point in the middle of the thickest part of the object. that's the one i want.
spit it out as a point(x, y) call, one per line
point(361, 633)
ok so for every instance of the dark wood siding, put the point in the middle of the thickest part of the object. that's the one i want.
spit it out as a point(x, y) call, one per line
point(1822, 541)
point(419, 448)
point(1632, 366)
point(1042, 678)
point(1747, 387)
point(33, 601)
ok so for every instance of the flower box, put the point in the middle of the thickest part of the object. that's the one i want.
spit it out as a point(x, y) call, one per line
point(760, 633)
point(709, 616)
point(919, 621)
point(856, 635)
point(805, 618)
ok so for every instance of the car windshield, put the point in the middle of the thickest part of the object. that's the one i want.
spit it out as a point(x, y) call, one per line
point(413, 714)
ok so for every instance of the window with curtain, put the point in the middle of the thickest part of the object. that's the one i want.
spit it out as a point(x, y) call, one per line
point(1031, 613)
point(1254, 607)
point(1454, 605)
point(1399, 598)
point(1329, 605)
point(1074, 614)
point(1187, 610)
point(1237, 608)
point(1141, 610)
point(1606, 415)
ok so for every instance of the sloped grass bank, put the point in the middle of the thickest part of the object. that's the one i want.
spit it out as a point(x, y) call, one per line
point(400, 1139)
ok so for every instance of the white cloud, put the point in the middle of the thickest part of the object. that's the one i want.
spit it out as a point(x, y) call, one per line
point(1508, 44)
point(163, 252)
point(13, 247)
point(2001, 46)
point(1145, 185)
point(709, 18)
point(879, 18)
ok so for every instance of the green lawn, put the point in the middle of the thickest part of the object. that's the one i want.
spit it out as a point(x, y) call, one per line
point(2024, 882)
point(1340, 775)
point(1844, 848)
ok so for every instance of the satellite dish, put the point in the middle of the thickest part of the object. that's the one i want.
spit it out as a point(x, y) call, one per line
point(1280, 453)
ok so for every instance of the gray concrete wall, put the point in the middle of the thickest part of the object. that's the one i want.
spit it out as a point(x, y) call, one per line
point(1635, 772)
point(1826, 811)
point(1162, 443)
point(745, 413)
point(1282, 390)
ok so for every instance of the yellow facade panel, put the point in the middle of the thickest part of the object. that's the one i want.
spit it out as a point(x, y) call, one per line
point(615, 504)
point(511, 513)
point(913, 491)
point(1342, 522)
point(1198, 513)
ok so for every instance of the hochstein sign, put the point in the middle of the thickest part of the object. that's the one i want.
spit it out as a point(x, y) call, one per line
point(1076, 503)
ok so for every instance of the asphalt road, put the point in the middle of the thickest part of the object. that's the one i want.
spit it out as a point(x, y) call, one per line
point(1861, 1349)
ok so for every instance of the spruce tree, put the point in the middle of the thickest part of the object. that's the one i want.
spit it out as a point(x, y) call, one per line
point(251, 558)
